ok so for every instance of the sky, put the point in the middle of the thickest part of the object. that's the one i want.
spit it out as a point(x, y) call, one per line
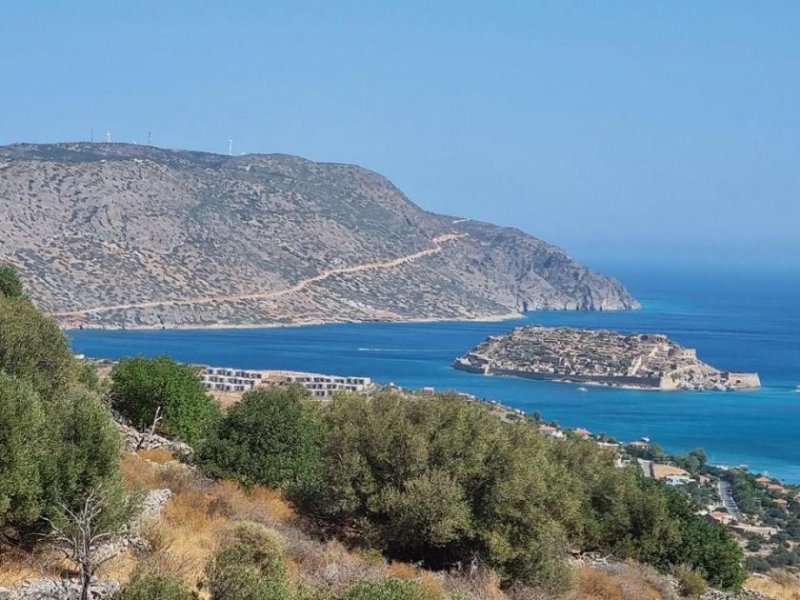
point(626, 132)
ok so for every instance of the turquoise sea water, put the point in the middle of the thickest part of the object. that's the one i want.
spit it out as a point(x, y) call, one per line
point(736, 321)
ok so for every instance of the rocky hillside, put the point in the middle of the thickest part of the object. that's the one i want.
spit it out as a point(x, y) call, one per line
point(117, 235)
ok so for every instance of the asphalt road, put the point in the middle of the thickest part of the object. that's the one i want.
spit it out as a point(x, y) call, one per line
point(724, 491)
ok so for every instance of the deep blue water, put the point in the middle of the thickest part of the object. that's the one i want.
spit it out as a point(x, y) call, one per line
point(736, 321)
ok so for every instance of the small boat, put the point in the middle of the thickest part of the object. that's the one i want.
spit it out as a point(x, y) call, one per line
point(582, 389)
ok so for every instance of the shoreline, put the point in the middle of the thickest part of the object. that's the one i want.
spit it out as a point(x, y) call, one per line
point(596, 384)
point(491, 318)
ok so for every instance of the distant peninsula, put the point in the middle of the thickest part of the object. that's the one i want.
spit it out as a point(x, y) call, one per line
point(602, 357)
point(116, 236)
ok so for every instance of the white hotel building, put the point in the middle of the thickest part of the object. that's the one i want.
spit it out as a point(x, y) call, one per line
point(224, 379)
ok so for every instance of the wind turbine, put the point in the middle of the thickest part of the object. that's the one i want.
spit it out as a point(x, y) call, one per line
point(230, 146)
point(108, 136)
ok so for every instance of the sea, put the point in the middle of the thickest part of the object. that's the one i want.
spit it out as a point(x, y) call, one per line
point(736, 319)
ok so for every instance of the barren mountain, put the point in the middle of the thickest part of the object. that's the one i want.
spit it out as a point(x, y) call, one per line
point(117, 235)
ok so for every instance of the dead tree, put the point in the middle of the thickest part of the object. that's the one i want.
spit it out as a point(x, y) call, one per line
point(147, 436)
point(81, 536)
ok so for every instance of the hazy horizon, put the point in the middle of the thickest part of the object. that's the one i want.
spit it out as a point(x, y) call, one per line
point(624, 133)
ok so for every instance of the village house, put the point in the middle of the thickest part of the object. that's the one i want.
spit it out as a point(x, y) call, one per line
point(721, 516)
point(676, 480)
point(639, 444)
point(550, 431)
point(584, 433)
point(664, 472)
point(610, 446)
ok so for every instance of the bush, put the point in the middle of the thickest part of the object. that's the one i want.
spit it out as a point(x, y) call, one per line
point(10, 284)
point(145, 585)
point(57, 439)
point(756, 564)
point(22, 429)
point(389, 588)
point(703, 546)
point(143, 385)
point(84, 448)
point(273, 436)
point(242, 582)
point(444, 481)
point(33, 348)
point(53, 455)
point(690, 583)
point(249, 565)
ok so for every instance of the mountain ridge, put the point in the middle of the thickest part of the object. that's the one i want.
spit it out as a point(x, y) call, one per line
point(144, 230)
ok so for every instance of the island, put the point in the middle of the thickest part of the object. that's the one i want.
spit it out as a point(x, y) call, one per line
point(601, 357)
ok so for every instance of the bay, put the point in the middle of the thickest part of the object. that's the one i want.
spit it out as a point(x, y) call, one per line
point(736, 320)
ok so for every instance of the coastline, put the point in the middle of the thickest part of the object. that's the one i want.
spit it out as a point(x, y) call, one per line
point(489, 318)
point(728, 328)
point(578, 382)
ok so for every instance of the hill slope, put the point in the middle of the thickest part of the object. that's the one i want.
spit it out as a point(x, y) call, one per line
point(113, 235)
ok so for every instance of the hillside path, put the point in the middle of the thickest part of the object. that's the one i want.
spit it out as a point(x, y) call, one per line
point(438, 241)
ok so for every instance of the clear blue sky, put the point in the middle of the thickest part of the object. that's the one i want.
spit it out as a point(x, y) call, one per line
point(644, 131)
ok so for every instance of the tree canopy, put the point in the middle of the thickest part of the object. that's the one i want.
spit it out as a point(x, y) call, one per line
point(273, 436)
point(57, 439)
point(10, 284)
point(33, 348)
point(141, 386)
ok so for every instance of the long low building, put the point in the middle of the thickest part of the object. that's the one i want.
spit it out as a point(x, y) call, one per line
point(224, 379)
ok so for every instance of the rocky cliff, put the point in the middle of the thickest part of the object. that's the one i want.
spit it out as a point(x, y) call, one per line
point(117, 235)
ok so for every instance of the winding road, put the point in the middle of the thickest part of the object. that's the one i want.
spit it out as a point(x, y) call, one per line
point(438, 241)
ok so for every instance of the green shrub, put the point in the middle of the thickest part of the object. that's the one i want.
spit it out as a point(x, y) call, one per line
point(22, 445)
point(389, 588)
point(53, 455)
point(146, 585)
point(442, 481)
point(83, 447)
point(33, 348)
point(242, 582)
point(703, 546)
point(690, 583)
point(273, 436)
point(143, 385)
point(10, 284)
point(252, 544)
point(58, 442)
point(249, 565)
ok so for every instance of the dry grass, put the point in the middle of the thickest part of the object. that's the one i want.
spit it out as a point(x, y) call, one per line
point(185, 537)
point(779, 584)
point(619, 582)
point(16, 566)
point(187, 533)
point(160, 456)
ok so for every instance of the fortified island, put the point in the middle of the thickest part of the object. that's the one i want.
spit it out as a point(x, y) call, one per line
point(637, 360)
